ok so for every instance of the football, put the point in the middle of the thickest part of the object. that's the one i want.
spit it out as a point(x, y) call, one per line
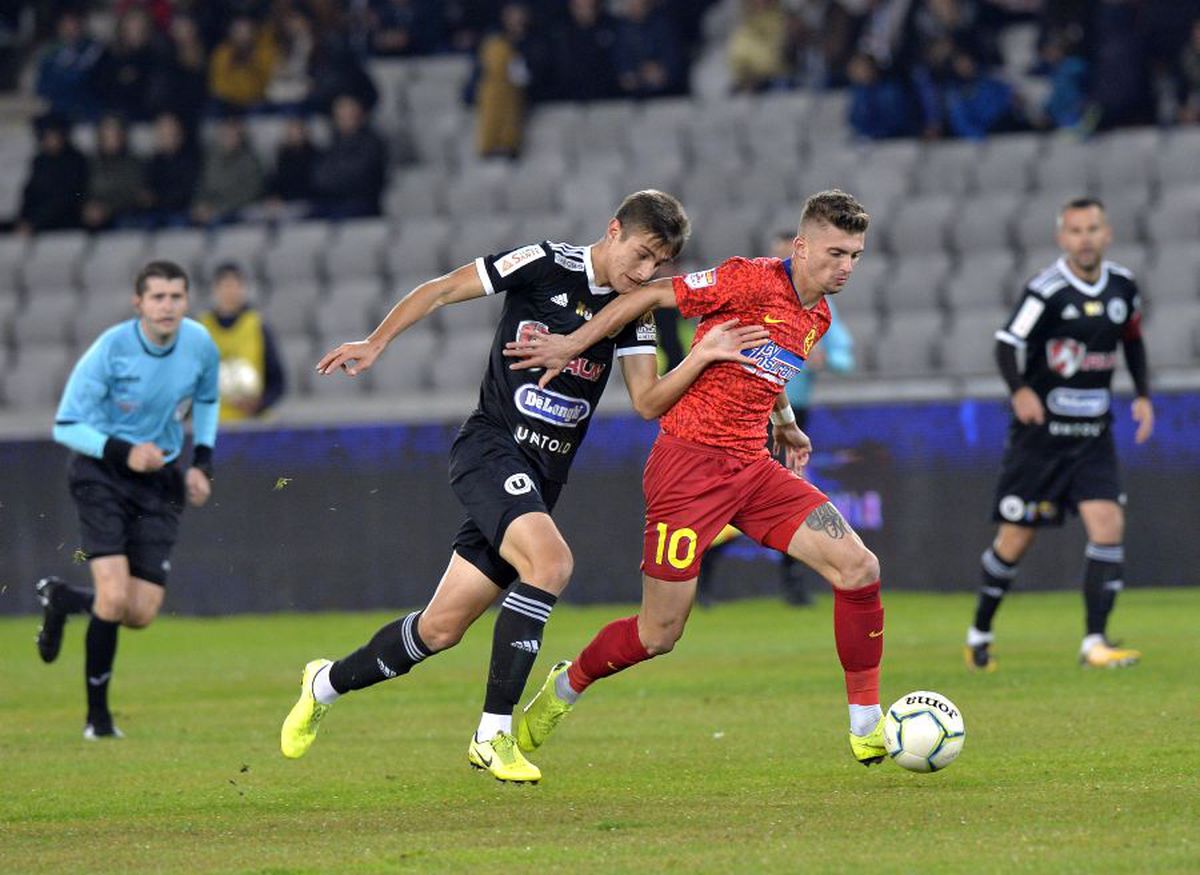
point(238, 380)
point(924, 731)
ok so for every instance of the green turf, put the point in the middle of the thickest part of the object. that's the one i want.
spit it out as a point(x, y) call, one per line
point(728, 755)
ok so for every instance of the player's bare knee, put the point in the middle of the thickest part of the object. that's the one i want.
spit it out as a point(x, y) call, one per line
point(660, 638)
point(138, 619)
point(111, 607)
point(553, 571)
point(859, 568)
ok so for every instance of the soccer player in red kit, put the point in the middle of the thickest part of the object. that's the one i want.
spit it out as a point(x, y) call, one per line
point(709, 466)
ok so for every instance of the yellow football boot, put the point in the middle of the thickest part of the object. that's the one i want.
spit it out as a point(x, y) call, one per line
point(300, 726)
point(869, 749)
point(1106, 656)
point(543, 712)
point(503, 759)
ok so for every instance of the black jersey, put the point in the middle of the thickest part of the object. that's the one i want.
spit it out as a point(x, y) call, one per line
point(551, 289)
point(1069, 330)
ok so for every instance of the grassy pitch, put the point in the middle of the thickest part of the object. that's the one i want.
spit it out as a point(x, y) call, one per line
point(727, 755)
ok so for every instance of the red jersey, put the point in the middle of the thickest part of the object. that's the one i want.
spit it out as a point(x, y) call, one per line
point(729, 404)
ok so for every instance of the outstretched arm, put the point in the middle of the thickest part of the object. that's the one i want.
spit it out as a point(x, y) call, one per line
point(787, 437)
point(553, 351)
point(356, 357)
point(653, 396)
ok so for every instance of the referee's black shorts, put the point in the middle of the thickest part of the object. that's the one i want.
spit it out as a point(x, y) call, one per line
point(496, 483)
point(1043, 476)
point(122, 513)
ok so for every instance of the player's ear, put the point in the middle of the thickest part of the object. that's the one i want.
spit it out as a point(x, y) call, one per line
point(615, 230)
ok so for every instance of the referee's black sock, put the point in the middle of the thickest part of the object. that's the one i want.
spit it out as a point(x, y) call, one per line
point(997, 577)
point(393, 651)
point(72, 599)
point(516, 640)
point(101, 650)
point(1102, 581)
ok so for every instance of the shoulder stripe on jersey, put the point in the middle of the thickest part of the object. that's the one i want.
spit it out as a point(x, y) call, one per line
point(568, 255)
point(1048, 282)
point(1119, 269)
point(1004, 337)
point(481, 269)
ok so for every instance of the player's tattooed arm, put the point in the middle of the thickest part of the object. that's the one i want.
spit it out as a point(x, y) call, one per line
point(827, 519)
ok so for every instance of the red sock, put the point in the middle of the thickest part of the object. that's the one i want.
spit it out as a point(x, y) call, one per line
point(615, 647)
point(858, 631)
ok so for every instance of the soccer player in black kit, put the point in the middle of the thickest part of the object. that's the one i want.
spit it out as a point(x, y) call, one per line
point(1060, 454)
point(511, 458)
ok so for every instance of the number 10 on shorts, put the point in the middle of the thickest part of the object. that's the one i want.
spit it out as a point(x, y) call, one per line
point(678, 548)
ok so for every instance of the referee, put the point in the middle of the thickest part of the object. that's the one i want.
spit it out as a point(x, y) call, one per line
point(122, 413)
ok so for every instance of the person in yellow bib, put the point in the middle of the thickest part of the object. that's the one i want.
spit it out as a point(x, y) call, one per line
point(251, 376)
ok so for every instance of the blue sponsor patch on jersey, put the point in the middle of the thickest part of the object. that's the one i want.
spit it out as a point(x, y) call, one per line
point(774, 362)
point(550, 406)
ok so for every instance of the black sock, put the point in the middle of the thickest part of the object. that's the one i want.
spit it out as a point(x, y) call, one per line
point(1101, 582)
point(997, 577)
point(72, 599)
point(393, 651)
point(101, 650)
point(515, 644)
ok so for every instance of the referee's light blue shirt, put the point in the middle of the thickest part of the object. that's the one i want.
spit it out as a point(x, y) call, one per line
point(126, 387)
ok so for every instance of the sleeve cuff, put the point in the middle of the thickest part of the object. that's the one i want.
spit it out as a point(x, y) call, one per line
point(116, 452)
point(202, 459)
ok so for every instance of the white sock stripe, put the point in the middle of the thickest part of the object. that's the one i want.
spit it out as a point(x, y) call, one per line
point(993, 591)
point(994, 566)
point(542, 618)
point(516, 602)
point(415, 653)
point(1105, 552)
point(1115, 585)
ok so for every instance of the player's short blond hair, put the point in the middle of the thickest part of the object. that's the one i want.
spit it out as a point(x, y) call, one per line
point(836, 208)
point(658, 214)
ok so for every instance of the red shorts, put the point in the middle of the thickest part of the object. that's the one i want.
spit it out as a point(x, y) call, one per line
point(692, 492)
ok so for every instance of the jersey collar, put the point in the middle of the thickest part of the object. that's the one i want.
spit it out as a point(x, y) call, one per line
point(153, 349)
point(1089, 289)
point(591, 274)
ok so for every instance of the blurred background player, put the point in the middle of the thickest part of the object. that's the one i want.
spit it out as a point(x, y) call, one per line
point(706, 471)
point(511, 458)
point(252, 377)
point(122, 414)
point(835, 353)
point(1060, 455)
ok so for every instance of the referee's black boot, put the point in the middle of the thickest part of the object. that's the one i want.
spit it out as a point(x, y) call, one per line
point(49, 637)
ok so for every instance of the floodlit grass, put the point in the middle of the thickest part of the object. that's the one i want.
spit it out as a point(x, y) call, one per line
point(727, 755)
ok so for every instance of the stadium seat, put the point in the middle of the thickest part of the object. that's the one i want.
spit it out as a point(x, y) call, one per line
point(289, 311)
point(551, 130)
point(1126, 159)
point(418, 248)
point(653, 138)
point(1005, 162)
point(766, 185)
point(531, 190)
point(906, 348)
point(351, 307)
point(1033, 262)
point(554, 227)
point(297, 253)
point(99, 308)
point(863, 326)
point(357, 249)
point(827, 121)
point(605, 125)
point(915, 283)
point(862, 291)
point(405, 366)
point(468, 317)
point(718, 234)
point(54, 260)
point(48, 316)
point(1173, 335)
point(982, 279)
point(299, 361)
point(709, 189)
point(184, 246)
point(919, 225)
point(1176, 162)
point(415, 192)
point(1176, 216)
point(1126, 208)
point(968, 347)
point(1173, 276)
point(13, 250)
point(946, 168)
point(462, 371)
point(474, 237)
point(984, 222)
point(240, 244)
point(37, 378)
point(1065, 165)
point(334, 385)
point(476, 191)
point(1131, 256)
point(1036, 223)
point(113, 261)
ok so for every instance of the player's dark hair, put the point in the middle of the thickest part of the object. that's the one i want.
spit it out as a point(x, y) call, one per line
point(835, 207)
point(1081, 203)
point(164, 270)
point(659, 215)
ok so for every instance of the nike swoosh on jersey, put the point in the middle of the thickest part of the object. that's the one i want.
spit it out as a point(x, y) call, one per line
point(875, 634)
point(771, 320)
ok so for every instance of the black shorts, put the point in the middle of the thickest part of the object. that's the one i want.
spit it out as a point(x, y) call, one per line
point(1044, 476)
point(126, 514)
point(496, 483)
